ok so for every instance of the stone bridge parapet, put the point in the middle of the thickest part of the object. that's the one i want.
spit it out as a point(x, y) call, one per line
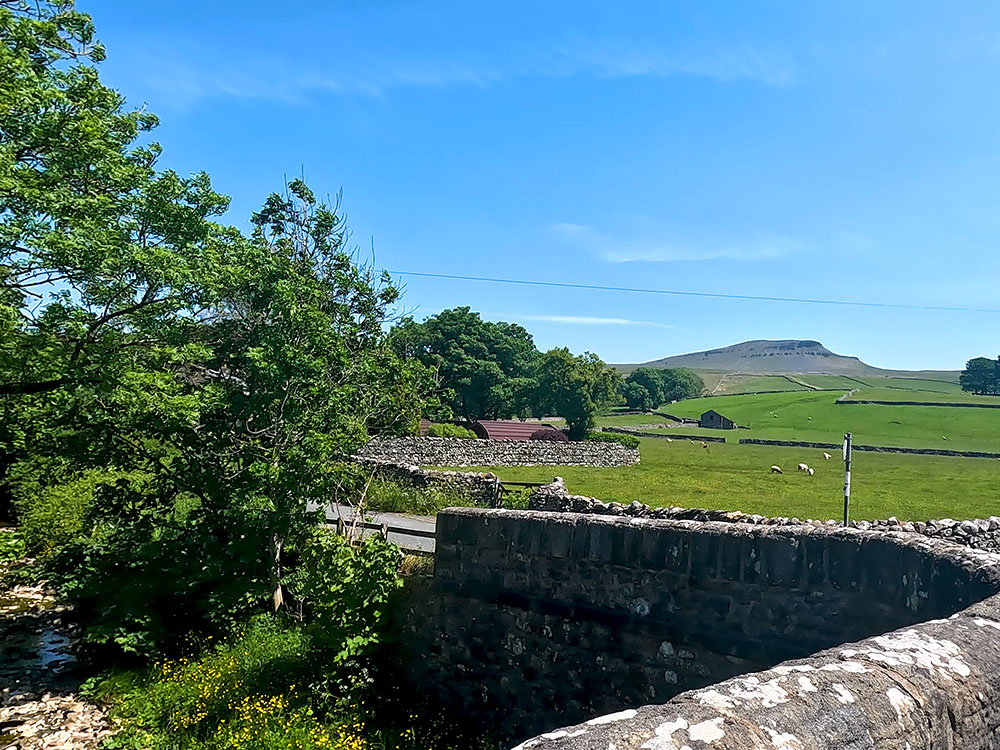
point(748, 636)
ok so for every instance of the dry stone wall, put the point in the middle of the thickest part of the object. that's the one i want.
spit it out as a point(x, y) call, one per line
point(871, 448)
point(978, 533)
point(430, 451)
point(540, 619)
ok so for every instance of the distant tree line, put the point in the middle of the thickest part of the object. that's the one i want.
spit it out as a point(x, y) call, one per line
point(981, 375)
point(493, 370)
point(645, 389)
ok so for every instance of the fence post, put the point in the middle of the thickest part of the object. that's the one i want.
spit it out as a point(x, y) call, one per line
point(847, 478)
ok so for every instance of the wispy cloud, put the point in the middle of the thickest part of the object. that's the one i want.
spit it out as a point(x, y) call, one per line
point(664, 250)
point(583, 320)
point(184, 79)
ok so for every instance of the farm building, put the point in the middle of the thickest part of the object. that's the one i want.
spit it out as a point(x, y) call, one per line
point(503, 430)
point(715, 421)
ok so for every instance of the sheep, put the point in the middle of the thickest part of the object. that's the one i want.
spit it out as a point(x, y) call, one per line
point(826, 456)
point(704, 444)
point(692, 442)
point(812, 471)
point(776, 470)
point(803, 467)
point(669, 440)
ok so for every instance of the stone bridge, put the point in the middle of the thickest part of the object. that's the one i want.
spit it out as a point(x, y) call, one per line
point(660, 634)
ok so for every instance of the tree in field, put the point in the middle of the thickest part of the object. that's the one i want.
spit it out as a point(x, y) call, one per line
point(638, 397)
point(981, 375)
point(679, 383)
point(647, 388)
point(174, 392)
point(648, 380)
point(577, 388)
point(482, 369)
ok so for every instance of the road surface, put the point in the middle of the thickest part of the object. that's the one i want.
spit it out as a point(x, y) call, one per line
point(412, 533)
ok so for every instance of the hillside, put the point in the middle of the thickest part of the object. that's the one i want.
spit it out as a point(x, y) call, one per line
point(780, 357)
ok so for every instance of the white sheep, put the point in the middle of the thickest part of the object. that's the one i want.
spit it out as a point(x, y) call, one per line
point(812, 471)
point(776, 470)
point(803, 467)
point(826, 456)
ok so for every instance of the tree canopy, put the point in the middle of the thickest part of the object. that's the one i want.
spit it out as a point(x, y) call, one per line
point(482, 369)
point(646, 388)
point(175, 392)
point(981, 375)
point(577, 388)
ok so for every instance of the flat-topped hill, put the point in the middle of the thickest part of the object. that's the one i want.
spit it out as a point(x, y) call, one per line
point(770, 357)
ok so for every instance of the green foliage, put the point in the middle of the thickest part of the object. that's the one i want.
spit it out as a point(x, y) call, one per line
point(53, 515)
point(12, 546)
point(576, 388)
point(176, 392)
point(241, 694)
point(982, 376)
point(448, 430)
point(629, 441)
point(646, 388)
point(638, 396)
point(389, 496)
point(482, 369)
point(345, 590)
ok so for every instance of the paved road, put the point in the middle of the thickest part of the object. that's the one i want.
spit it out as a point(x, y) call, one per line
point(413, 533)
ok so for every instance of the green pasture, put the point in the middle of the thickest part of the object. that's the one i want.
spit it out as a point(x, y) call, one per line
point(736, 477)
point(625, 420)
point(894, 394)
point(816, 417)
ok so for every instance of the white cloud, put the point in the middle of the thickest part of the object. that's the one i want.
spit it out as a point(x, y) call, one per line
point(657, 250)
point(181, 77)
point(583, 320)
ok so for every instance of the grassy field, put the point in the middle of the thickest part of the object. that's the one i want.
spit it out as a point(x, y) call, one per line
point(894, 394)
point(735, 477)
point(623, 420)
point(814, 416)
point(723, 384)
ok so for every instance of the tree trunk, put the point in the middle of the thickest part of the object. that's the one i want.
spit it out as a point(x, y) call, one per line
point(277, 597)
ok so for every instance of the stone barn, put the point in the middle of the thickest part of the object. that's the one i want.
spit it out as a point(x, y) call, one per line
point(713, 420)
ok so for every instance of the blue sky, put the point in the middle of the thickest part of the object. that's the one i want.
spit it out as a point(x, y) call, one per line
point(843, 150)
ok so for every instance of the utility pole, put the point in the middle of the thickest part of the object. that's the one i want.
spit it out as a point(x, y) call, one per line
point(847, 478)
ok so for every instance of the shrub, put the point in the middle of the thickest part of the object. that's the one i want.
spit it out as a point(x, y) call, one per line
point(52, 517)
point(550, 435)
point(450, 431)
point(11, 546)
point(629, 441)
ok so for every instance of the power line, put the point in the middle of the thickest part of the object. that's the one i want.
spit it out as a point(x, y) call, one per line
point(713, 295)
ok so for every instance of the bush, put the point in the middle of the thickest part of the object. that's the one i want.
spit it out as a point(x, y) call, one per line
point(11, 546)
point(550, 435)
point(52, 517)
point(451, 431)
point(629, 441)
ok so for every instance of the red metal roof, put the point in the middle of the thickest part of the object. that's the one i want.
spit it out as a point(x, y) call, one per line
point(503, 430)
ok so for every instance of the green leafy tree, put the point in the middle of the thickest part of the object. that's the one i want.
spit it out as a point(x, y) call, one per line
point(577, 388)
point(482, 369)
point(638, 397)
point(651, 382)
point(981, 375)
point(180, 391)
point(679, 383)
